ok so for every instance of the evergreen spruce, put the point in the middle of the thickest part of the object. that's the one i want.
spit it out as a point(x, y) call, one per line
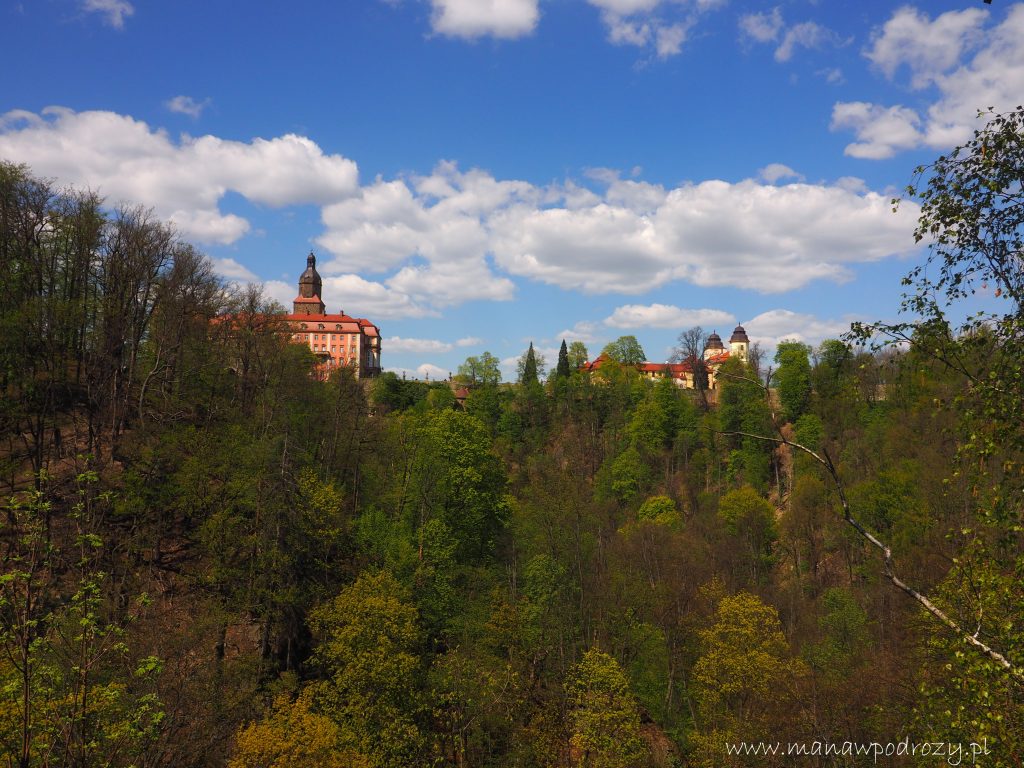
point(562, 371)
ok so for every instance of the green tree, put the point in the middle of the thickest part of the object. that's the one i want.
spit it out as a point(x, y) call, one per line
point(485, 369)
point(367, 641)
point(752, 519)
point(743, 677)
point(291, 735)
point(793, 378)
point(563, 370)
point(530, 368)
point(625, 350)
point(605, 720)
point(578, 355)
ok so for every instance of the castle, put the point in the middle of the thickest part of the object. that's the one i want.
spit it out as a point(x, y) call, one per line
point(336, 340)
point(714, 355)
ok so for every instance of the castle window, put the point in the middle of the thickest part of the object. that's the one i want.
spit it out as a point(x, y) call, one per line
point(321, 326)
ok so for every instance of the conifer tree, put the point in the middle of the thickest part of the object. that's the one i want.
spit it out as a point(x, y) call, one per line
point(562, 371)
point(529, 367)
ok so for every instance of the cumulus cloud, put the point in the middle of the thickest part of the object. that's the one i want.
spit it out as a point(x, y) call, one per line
point(423, 346)
point(761, 27)
point(769, 27)
point(472, 19)
point(451, 236)
point(967, 66)
point(775, 325)
point(232, 270)
point(184, 180)
point(881, 131)
point(927, 47)
point(186, 105)
point(666, 316)
point(661, 25)
point(775, 171)
point(807, 34)
point(763, 237)
point(113, 11)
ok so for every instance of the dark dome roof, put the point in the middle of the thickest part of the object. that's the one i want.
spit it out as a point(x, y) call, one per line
point(310, 284)
point(739, 335)
point(715, 342)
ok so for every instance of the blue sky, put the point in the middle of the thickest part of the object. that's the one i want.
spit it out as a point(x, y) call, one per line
point(477, 174)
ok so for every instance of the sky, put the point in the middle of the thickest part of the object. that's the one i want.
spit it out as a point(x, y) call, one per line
point(478, 174)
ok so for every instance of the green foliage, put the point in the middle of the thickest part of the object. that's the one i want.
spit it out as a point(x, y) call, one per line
point(605, 721)
point(529, 370)
point(625, 350)
point(294, 734)
point(483, 369)
point(793, 378)
point(577, 354)
point(563, 369)
point(745, 664)
point(751, 519)
point(367, 641)
point(659, 509)
point(70, 684)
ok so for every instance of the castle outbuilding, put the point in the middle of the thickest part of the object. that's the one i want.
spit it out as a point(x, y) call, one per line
point(682, 373)
point(336, 339)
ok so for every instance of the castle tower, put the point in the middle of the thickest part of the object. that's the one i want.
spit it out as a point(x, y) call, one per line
point(311, 287)
point(714, 347)
point(739, 344)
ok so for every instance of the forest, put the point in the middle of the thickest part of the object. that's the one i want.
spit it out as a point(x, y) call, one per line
point(211, 558)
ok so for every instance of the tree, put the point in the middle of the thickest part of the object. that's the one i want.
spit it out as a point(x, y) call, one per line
point(562, 371)
point(972, 217)
point(625, 350)
point(294, 735)
point(530, 367)
point(690, 348)
point(368, 636)
point(742, 676)
point(485, 369)
point(578, 355)
point(793, 378)
point(604, 716)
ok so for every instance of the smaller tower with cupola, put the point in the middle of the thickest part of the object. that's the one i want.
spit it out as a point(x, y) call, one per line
point(739, 344)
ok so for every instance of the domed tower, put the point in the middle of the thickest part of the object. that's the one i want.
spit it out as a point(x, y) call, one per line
point(714, 347)
point(739, 344)
point(308, 301)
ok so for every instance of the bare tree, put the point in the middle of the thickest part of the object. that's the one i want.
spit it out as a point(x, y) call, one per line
point(689, 349)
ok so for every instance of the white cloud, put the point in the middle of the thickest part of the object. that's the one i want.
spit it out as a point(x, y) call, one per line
point(934, 50)
point(663, 25)
point(232, 270)
point(431, 372)
point(666, 316)
point(769, 27)
point(471, 19)
point(852, 184)
point(669, 40)
point(773, 326)
point(775, 171)
point(365, 298)
point(585, 330)
point(422, 346)
point(763, 237)
point(881, 131)
point(807, 34)
point(114, 11)
point(453, 236)
point(126, 160)
point(762, 27)
point(927, 47)
point(186, 105)
point(418, 346)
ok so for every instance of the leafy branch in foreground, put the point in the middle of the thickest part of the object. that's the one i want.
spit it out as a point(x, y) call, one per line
point(823, 458)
